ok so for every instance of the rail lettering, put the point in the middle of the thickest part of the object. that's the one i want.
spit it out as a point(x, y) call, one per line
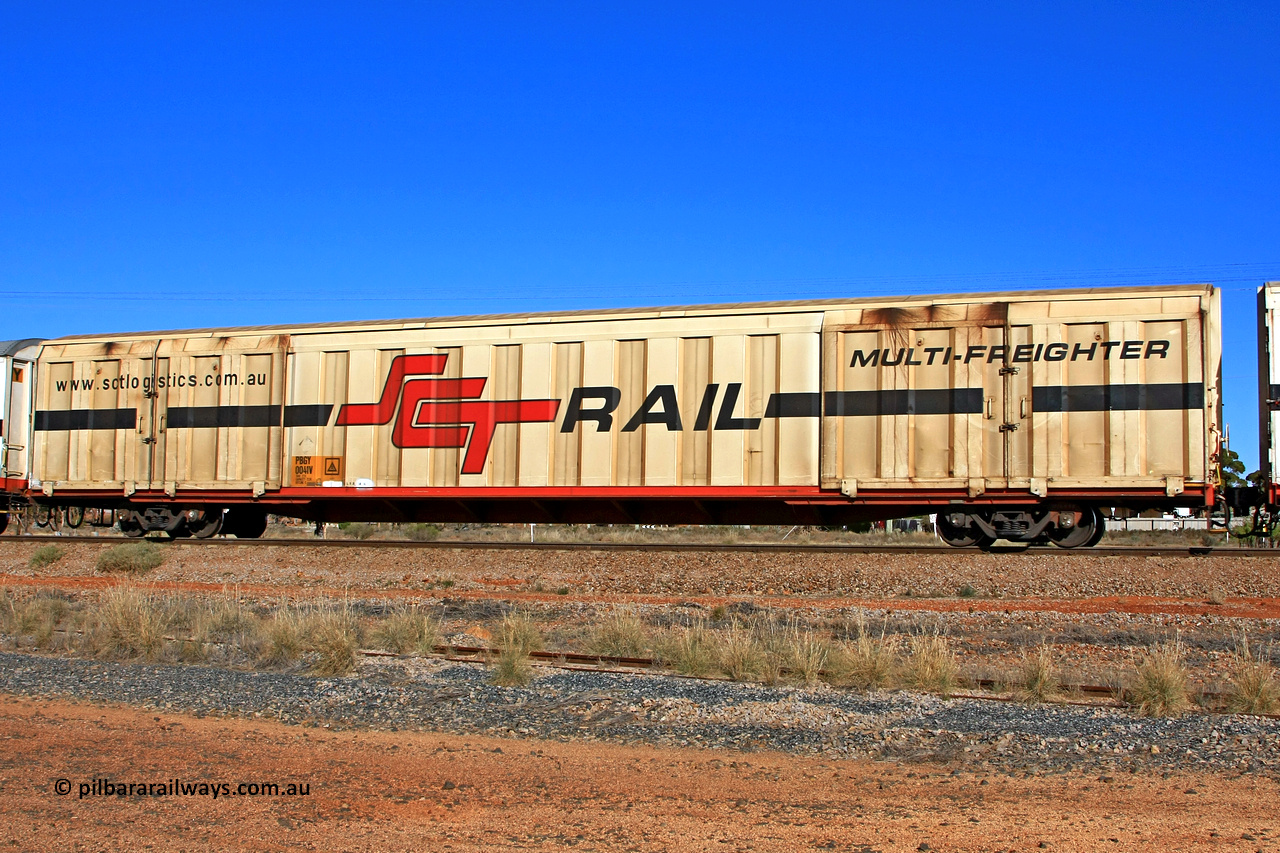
point(1017, 354)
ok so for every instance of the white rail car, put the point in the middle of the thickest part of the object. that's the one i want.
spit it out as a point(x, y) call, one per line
point(1014, 415)
point(17, 363)
point(1269, 389)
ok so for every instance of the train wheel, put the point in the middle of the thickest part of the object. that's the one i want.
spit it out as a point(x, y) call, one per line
point(75, 516)
point(129, 526)
point(1100, 524)
point(211, 525)
point(1086, 533)
point(957, 537)
point(4, 520)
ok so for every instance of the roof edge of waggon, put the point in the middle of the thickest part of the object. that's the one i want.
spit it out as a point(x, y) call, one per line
point(596, 314)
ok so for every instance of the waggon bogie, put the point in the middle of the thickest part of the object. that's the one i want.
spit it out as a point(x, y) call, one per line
point(1066, 527)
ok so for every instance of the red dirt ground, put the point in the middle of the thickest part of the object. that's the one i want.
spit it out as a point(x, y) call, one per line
point(414, 791)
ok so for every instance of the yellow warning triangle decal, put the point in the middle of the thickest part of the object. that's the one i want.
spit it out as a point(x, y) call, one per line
point(331, 467)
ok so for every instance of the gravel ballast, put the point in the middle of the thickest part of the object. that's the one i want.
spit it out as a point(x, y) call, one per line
point(437, 695)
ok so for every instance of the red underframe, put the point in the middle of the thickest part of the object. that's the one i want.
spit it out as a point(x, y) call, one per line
point(798, 495)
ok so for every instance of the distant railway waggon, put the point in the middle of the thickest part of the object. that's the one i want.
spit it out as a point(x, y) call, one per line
point(1018, 416)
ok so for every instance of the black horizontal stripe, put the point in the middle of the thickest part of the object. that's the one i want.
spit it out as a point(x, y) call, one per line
point(71, 419)
point(181, 417)
point(301, 416)
point(794, 405)
point(1117, 398)
point(905, 401)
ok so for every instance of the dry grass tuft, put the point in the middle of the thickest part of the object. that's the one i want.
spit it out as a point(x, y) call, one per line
point(1038, 676)
point(739, 654)
point(36, 616)
point(511, 668)
point(1160, 689)
point(1253, 682)
point(689, 651)
point(805, 655)
point(45, 555)
point(332, 635)
point(127, 624)
point(520, 633)
point(621, 634)
point(932, 665)
point(131, 558)
point(282, 639)
point(868, 663)
point(405, 630)
point(517, 637)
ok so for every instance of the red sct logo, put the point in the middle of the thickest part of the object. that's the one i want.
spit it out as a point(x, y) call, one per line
point(443, 412)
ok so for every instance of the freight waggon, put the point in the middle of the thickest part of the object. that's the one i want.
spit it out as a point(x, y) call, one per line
point(1016, 416)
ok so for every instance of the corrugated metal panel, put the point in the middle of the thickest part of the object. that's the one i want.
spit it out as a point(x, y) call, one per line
point(1036, 396)
point(926, 392)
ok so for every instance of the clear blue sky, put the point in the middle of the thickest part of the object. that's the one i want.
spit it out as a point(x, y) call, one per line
point(168, 166)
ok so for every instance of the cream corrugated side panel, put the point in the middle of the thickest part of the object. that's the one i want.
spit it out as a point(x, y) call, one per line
point(595, 462)
point(368, 375)
point(446, 462)
point(1116, 433)
point(388, 460)
point(932, 437)
point(1017, 406)
point(1164, 433)
point(1129, 372)
point(335, 382)
point(798, 438)
point(761, 383)
point(695, 443)
point(628, 447)
point(986, 442)
point(895, 430)
point(262, 461)
point(536, 383)
point(504, 453)
point(477, 360)
point(1085, 432)
point(104, 445)
point(198, 460)
point(566, 447)
point(1046, 436)
point(1202, 355)
point(860, 440)
point(302, 373)
point(728, 446)
point(962, 425)
point(55, 446)
point(662, 445)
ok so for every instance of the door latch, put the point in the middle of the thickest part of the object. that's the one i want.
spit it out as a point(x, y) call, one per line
point(1008, 427)
point(1008, 370)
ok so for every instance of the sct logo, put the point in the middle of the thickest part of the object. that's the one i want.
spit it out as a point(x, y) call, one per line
point(443, 412)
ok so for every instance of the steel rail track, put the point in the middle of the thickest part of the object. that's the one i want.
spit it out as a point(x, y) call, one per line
point(676, 547)
point(1084, 694)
